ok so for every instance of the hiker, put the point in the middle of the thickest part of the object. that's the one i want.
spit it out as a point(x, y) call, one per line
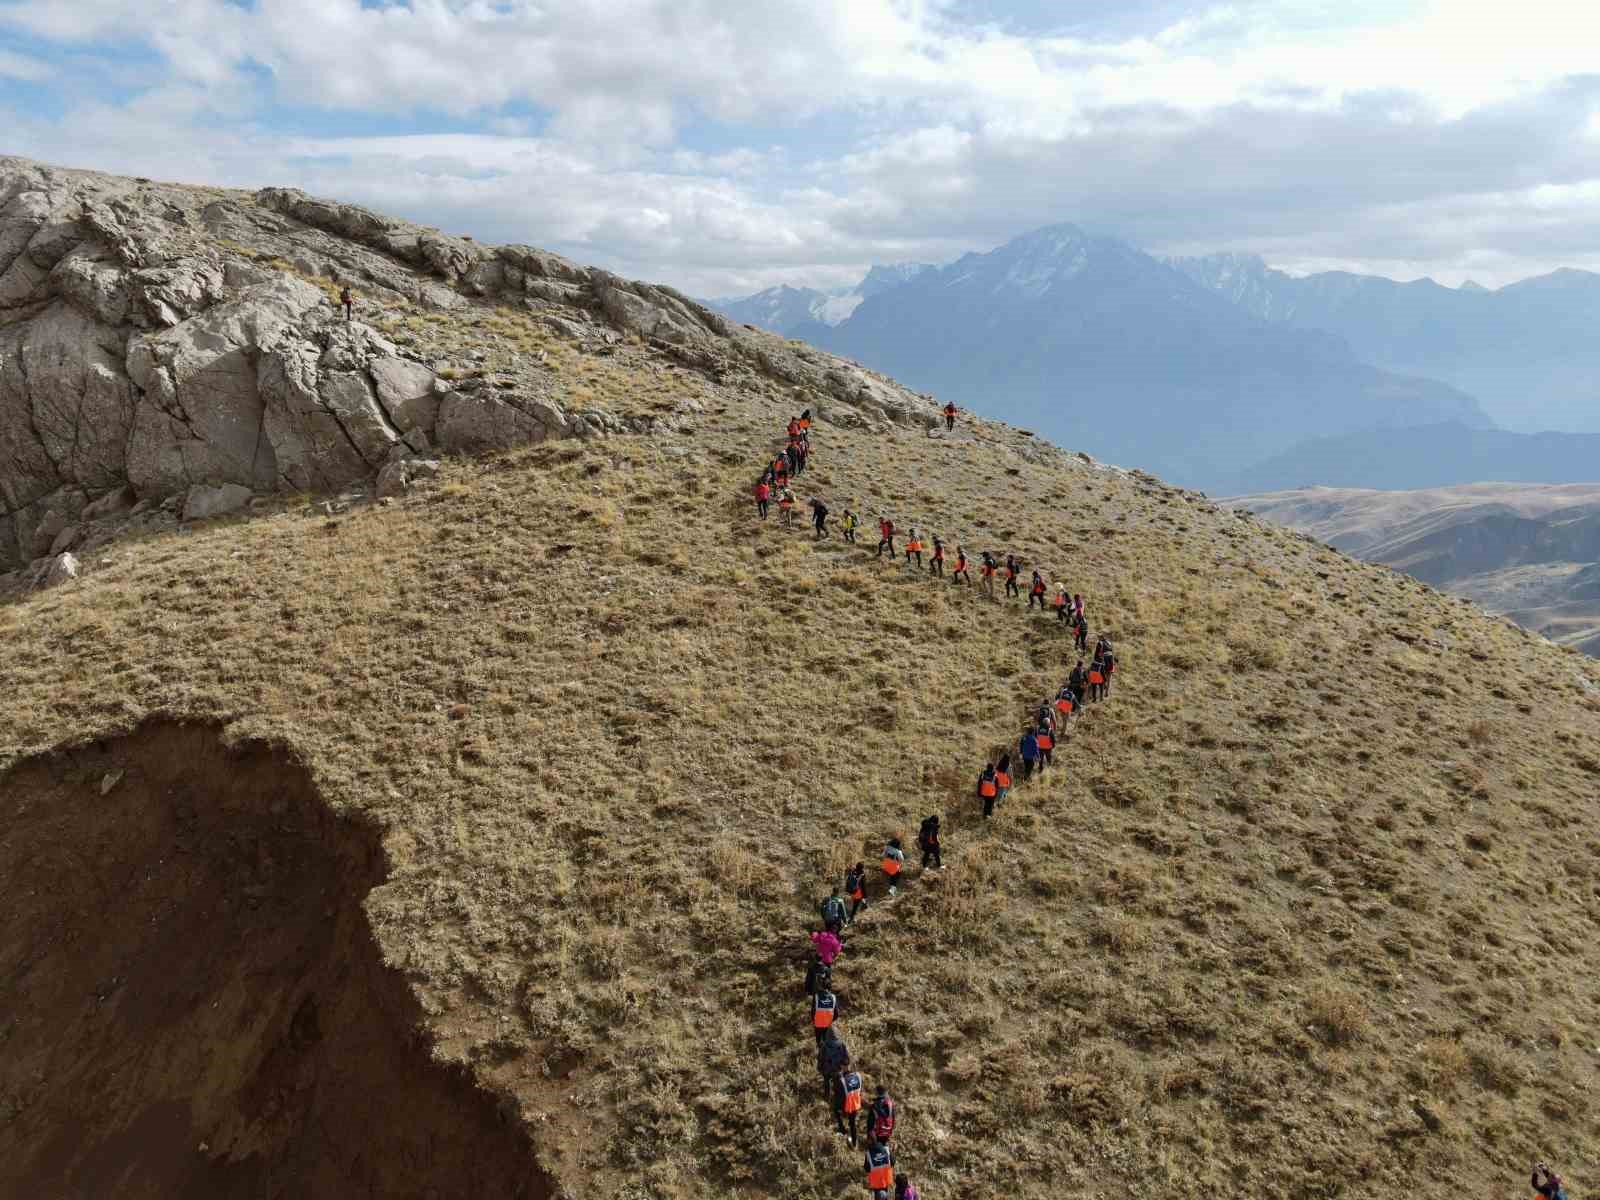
point(1002, 777)
point(848, 1090)
point(1078, 680)
point(851, 521)
point(961, 567)
point(819, 517)
point(1077, 605)
point(802, 455)
point(1028, 749)
point(1097, 680)
point(1036, 592)
point(885, 536)
point(936, 566)
point(824, 1007)
point(988, 788)
point(879, 1166)
point(833, 1056)
point(904, 1189)
point(793, 430)
point(346, 299)
point(819, 977)
point(1012, 567)
point(880, 1117)
point(986, 571)
point(1065, 702)
point(1046, 741)
point(914, 546)
point(1063, 605)
point(763, 495)
point(855, 887)
point(1082, 638)
point(1108, 671)
point(791, 458)
point(827, 945)
point(780, 472)
point(928, 843)
point(833, 913)
point(950, 411)
point(1553, 1187)
point(805, 425)
point(786, 507)
point(894, 861)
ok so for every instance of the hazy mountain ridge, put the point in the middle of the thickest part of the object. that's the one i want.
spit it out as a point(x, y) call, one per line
point(807, 313)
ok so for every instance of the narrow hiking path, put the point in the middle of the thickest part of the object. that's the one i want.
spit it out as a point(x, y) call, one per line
point(962, 884)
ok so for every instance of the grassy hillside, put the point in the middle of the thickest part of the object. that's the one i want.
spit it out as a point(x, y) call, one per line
point(1324, 861)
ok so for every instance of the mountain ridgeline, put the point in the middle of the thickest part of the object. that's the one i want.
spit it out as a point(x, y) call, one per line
point(1100, 345)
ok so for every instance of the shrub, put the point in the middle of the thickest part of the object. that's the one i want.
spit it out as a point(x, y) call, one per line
point(1337, 1016)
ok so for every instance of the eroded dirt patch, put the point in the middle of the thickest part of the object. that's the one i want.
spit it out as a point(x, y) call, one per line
point(191, 1001)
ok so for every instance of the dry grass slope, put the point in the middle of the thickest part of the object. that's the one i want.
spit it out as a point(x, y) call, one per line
point(1329, 850)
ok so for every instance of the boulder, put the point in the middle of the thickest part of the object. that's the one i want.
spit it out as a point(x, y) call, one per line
point(203, 501)
point(58, 570)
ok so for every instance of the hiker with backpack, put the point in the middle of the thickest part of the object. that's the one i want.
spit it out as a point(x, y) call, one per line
point(791, 457)
point(819, 517)
point(879, 1166)
point(855, 887)
point(833, 1056)
point(763, 495)
point(936, 566)
point(950, 411)
point(988, 788)
point(833, 913)
point(819, 976)
point(827, 945)
point(1002, 778)
point(1012, 567)
point(986, 571)
point(1081, 638)
point(1028, 751)
point(348, 301)
point(851, 522)
point(885, 536)
point(880, 1117)
point(1097, 680)
point(848, 1094)
point(1036, 592)
point(894, 861)
point(1062, 604)
point(928, 843)
point(1044, 736)
point(914, 547)
point(1108, 670)
point(1553, 1187)
point(786, 507)
point(961, 567)
point(824, 1008)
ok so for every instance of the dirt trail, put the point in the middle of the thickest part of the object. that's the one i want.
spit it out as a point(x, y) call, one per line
point(193, 1004)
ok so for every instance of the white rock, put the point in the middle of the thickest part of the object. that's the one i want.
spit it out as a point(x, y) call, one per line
point(62, 568)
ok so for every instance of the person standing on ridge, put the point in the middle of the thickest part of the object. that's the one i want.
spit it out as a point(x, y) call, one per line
point(348, 300)
point(1012, 567)
point(851, 521)
point(950, 411)
point(894, 861)
point(1036, 592)
point(914, 546)
point(879, 1166)
point(961, 568)
point(988, 788)
point(848, 1094)
point(763, 494)
point(819, 517)
point(1028, 750)
point(855, 887)
point(824, 1007)
point(928, 843)
point(936, 566)
point(833, 913)
point(885, 536)
point(1002, 777)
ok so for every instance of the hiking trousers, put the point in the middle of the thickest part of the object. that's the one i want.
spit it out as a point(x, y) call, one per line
point(1012, 589)
point(988, 586)
point(822, 527)
point(1027, 768)
point(917, 554)
point(936, 567)
point(839, 1120)
point(1034, 597)
point(761, 507)
point(933, 854)
point(889, 542)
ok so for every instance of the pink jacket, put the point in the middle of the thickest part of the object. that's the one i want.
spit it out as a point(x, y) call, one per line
point(827, 946)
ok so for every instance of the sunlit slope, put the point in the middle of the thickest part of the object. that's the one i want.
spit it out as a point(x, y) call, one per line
point(1325, 858)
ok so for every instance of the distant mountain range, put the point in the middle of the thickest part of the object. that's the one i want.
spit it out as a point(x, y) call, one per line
point(1528, 351)
point(806, 313)
point(1529, 552)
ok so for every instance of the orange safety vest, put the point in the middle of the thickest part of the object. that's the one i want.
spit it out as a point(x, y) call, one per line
point(961, 564)
point(1002, 779)
point(852, 1094)
point(1096, 677)
point(786, 502)
point(987, 570)
point(1036, 590)
point(823, 1005)
point(1061, 601)
point(891, 866)
point(880, 1169)
point(913, 547)
point(1064, 705)
point(986, 787)
point(1046, 742)
point(856, 893)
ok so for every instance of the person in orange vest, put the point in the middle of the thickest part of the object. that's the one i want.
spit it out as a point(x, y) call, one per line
point(1064, 702)
point(824, 1007)
point(1097, 680)
point(885, 536)
point(763, 494)
point(1036, 592)
point(1062, 603)
point(988, 788)
point(879, 1166)
point(848, 1093)
point(950, 411)
point(855, 888)
point(805, 424)
point(881, 1116)
point(961, 567)
point(1002, 777)
point(1045, 737)
point(894, 861)
point(1012, 567)
point(914, 546)
point(794, 429)
point(780, 472)
point(936, 566)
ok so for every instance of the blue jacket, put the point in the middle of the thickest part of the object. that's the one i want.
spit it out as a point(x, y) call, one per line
point(1029, 747)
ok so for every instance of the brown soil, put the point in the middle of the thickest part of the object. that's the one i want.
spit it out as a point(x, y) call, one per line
point(191, 1001)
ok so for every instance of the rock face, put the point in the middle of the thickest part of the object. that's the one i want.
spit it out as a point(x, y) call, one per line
point(160, 341)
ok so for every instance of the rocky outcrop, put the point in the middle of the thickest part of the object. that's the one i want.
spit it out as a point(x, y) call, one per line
point(178, 346)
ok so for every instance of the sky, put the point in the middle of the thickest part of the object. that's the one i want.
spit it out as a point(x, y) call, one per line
point(729, 145)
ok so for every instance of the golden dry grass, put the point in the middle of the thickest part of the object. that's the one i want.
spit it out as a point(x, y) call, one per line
point(1329, 845)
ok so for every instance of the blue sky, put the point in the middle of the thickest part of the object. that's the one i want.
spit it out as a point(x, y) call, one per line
point(727, 146)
